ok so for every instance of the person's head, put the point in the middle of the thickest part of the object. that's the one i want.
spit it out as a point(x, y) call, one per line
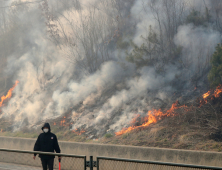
point(46, 128)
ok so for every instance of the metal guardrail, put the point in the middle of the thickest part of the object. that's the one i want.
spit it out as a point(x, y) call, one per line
point(105, 163)
point(21, 157)
point(42, 153)
point(78, 162)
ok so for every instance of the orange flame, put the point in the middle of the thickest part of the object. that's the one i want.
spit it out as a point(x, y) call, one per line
point(218, 91)
point(62, 123)
point(152, 117)
point(54, 123)
point(9, 94)
point(205, 95)
point(216, 94)
point(80, 132)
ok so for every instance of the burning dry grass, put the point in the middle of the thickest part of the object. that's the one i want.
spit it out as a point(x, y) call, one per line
point(198, 128)
point(195, 126)
point(166, 137)
point(153, 116)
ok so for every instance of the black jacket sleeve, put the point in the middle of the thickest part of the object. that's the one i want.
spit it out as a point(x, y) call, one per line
point(37, 145)
point(56, 145)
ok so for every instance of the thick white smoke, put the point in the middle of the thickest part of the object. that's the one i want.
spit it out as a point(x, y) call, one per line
point(38, 66)
point(198, 45)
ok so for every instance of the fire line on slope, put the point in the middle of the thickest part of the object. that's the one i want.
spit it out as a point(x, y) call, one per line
point(155, 115)
point(152, 117)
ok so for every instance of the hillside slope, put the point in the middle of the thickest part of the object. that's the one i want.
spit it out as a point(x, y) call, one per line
point(196, 126)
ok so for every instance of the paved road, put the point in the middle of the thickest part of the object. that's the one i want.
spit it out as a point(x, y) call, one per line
point(6, 166)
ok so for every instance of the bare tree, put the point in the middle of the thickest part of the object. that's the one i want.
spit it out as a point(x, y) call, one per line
point(168, 16)
point(3, 30)
point(217, 10)
point(85, 31)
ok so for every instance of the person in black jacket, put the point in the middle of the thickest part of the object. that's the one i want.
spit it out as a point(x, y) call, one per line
point(47, 142)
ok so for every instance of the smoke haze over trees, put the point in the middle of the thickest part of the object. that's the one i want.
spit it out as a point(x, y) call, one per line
point(105, 61)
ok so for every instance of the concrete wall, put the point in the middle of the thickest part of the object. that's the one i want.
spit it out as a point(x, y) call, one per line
point(141, 153)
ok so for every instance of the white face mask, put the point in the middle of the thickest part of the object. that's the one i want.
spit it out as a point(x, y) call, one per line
point(45, 130)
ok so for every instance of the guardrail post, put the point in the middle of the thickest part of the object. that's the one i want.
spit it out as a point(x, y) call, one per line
point(85, 167)
point(91, 163)
point(97, 163)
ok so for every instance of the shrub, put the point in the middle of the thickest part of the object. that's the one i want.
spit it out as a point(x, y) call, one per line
point(108, 135)
point(215, 74)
